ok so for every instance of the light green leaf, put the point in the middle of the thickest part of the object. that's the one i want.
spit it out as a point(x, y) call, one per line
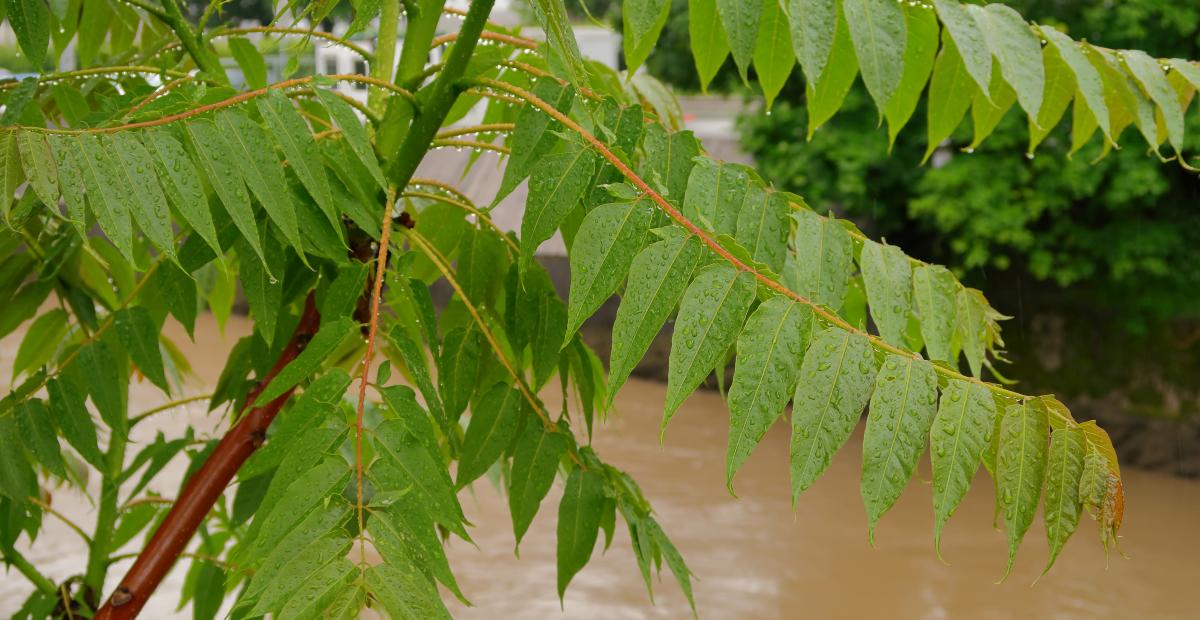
point(715, 191)
point(355, 134)
point(564, 57)
point(405, 592)
point(254, 69)
point(773, 54)
point(1087, 78)
point(40, 166)
point(769, 351)
point(960, 432)
point(72, 417)
point(134, 168)
point(821, 265)
point(41, 341)
point(534, 135)
point(887, 276)
point(657, 280)
point(740, 20)
point(1017, 50)
point(105, 194)
point(70, 178)
point(763, 226)
point(1020, 469)
point(1149, 73)
point(812, 24)
point(307, 492)
point(643, 21)
point(458, 369)
point(972, 328)
point(558, 182)
point(935, 291)
point(314, 594)
point(30, 20)
point(710, 316)
point(1060, 89)
point(299, 148)
point(607, 241)
point(404, 533)
point(535, 459)
point(920, 50)
point(877, 28)
point(406, 461)
point(262, 172)
point(950, 94)
point(1063, 471)
point(578, 523)
point(180, 180)
point(314, 354)
point(139, 335)
point(970, 41)
point(494, 425)
point(824, 95)
point(835, 383)
point(216, 158)
point(704, 25)
point(317, 531)
point(902, 410)
point(670, 157)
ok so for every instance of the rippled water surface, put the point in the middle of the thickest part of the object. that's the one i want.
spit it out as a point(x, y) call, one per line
point(755, 556)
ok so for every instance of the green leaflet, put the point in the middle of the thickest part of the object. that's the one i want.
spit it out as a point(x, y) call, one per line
point(821, 265)
point(11, 173)
point(217, 160)
point(812, 24)
point(835, 383)
point(558, 182)
point(960, 432)
point(769, 351)
point(564, 57)
point(762, 226)
point(41, 341)
point(902, 409)
point(311, 574)
point(104, 383)
point(824, 95)
point(919, 52)
point(72, 418)
point(70, 179)
point(482, 261)
point(320, 590)
point(39, 436)
point(106, 195)
point(877, 28)
point(970, 42)
point(317, 403)
point(669, 160)
point(535, 459)
point(328, 338)
point(310, 533)
point(404, 533)
point(263, 291)
point(341, 296)
point(887, 276)
point(935, 293)
point(578, 523)
point(657, 280)
point(494, 425)
point(643, 21)
point(17, 479)
point(458, 369)
point(295, 139)
point(985, 113)
point(254, 69)
point(972, 329)
point(180, 181)
point(414, 359)
point(534, 135)
point(405, 592)
point(1153, 79)
point(1017, 51)
point(715, 191)
point(607, 241)
point(407, 412)
point(1063, 471)
point(139, 335)
point(134, 168)
point(950, 94)
point(1087, 79)
point(262, 172)
point(30, 20)
point(406, 462)
point(1060, 89)
point(773, 54)
point(710, 315)
point(1020, 469)
point(704, 25)
point(354, 133)
point(740, 20)
point(39, 164)
point(307, 492)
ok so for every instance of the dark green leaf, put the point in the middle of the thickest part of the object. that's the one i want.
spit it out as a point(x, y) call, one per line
point(535, 460)
point(326, 340)
point(494, 424)
point(72, 417)
point(458, 369)
point(139, 335)
point(557, 184)
point(578, 523)
point(605, 246)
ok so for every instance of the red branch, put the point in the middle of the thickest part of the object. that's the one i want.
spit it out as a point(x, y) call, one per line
point(206, 485)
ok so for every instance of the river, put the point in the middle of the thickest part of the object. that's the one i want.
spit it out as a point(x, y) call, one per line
point(754, 556)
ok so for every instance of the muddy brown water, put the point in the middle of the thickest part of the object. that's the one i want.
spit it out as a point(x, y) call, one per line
point(754, 556)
